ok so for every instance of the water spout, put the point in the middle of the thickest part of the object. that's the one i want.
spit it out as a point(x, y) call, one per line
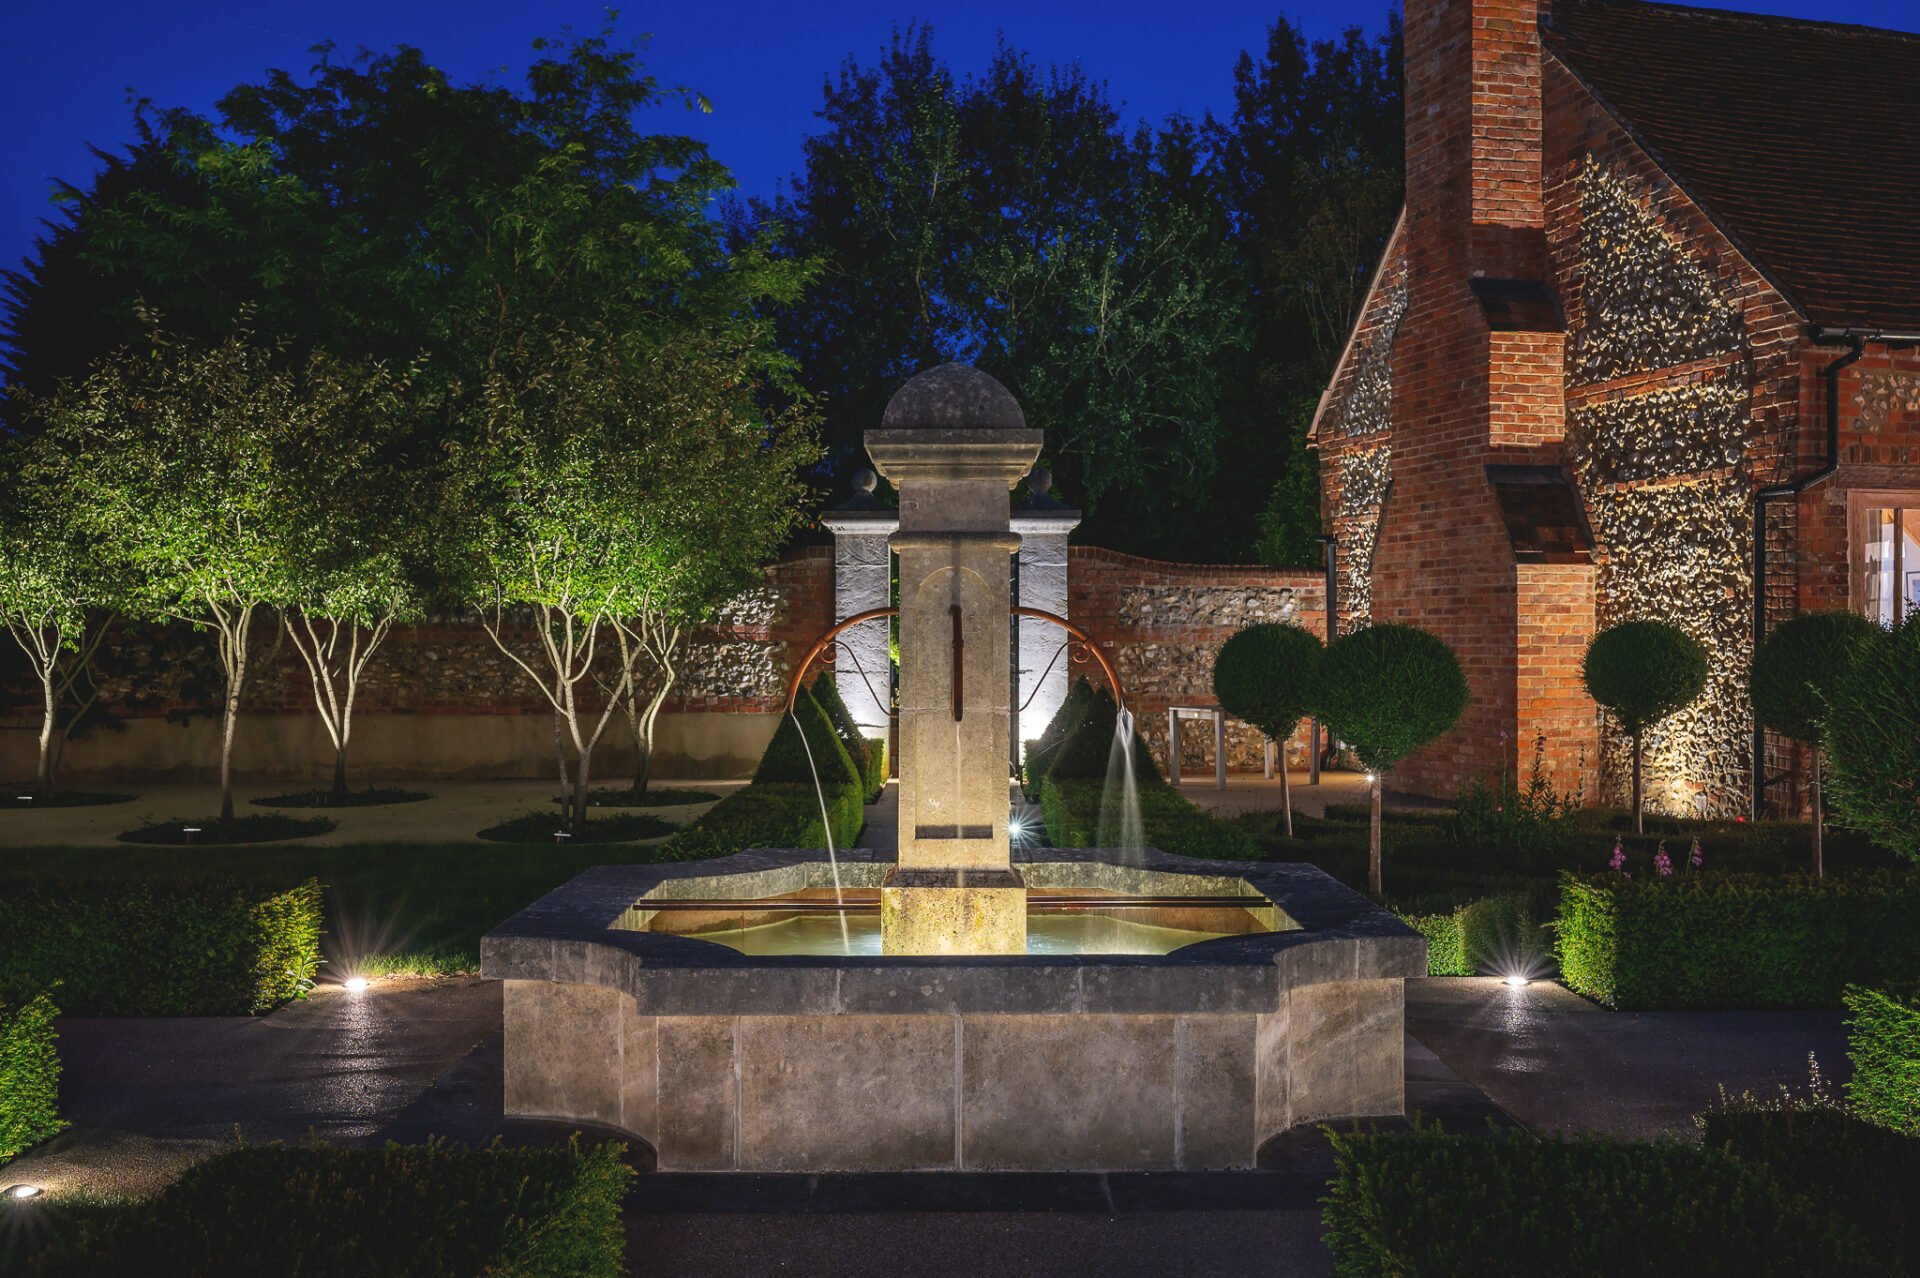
point(1120, 822)
point(826, 827)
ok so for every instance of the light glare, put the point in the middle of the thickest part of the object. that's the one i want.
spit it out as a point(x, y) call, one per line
point(23, 1191)
point(356, 984)
point(1517, 980)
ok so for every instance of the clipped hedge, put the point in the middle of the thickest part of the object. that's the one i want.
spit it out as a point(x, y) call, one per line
point(768, 814)
point(1498, 934)
point(1072, 809)
point(1429, 1203)
point(134, 948)
point(875, 772)
point(1735, 940)
point(868, 754)
point(423, 1211)
point(1883, 1042)
point(1864, 1173)
point(29, 1075)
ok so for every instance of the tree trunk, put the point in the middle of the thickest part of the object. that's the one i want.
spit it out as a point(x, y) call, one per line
point(1286, 792)
point(1637, 825)
point(566, 773)
point(1373, 831)
point(642, 767)
point(43, 775)
point(580, 792)
point(1819, 820)
point(340, 772)
point(228, 714)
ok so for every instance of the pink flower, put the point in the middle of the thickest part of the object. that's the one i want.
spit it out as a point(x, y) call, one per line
point(1696, 858)
point(1619, 859)
point(1662, 862)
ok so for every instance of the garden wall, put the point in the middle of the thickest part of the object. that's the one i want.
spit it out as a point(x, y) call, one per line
point(442, 702)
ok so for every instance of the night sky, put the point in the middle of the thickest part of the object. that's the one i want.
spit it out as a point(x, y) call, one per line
point(67, 66)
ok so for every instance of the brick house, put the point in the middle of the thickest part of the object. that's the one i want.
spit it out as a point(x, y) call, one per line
point(1644, 343)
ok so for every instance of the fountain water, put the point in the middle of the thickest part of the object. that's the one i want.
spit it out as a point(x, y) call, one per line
point(1120, 823)
point(956, 1006)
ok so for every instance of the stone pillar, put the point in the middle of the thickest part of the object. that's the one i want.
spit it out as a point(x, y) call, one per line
point(862, 578)
point(954, 442)
point(1043, 524)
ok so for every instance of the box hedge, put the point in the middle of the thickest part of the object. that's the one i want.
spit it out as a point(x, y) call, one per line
point(29, 1074)
point(1862, 1172)
point(1428, 1203)
point(418, 1211)
point(1883, 1042)
point(1500, 934)
point(134, 948)
point(868, 754)
point(1735, 940)
point(1073, 811)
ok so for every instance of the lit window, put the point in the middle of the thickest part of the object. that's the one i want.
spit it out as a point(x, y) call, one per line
point(1887, 588)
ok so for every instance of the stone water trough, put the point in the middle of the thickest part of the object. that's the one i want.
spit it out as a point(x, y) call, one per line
point(724, 1061)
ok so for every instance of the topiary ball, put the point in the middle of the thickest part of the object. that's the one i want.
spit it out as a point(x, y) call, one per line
point(1266, 675)
point(1389, 689)
point(1799, 664)
point(1643, 671)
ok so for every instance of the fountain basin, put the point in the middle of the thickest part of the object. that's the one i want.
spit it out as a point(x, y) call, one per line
point(723, 1060)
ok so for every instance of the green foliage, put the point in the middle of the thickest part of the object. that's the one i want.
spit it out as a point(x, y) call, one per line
point(149, 949)
point(1735, 940)
point(1075, 818)
point(1872, 738)
point(1798, 665)
point(821, 755)
point(29, 1075)
point(424, 1211)
point(1267, 674)
point(1862, 1173)
point(1883, 1042)
point(869, 754)
point(1389, 689)
point(1290, 522)
point(1012, 219)
point(1043, 749)
point(1643, 671)
point(1499, 935)
point(1088, 749)
point(1527, 825)
point(1428, 1203)
point(768, 814)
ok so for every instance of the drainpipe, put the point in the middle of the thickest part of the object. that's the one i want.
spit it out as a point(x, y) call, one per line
point(1792, 488)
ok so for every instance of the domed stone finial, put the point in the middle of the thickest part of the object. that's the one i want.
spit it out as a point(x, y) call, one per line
point(953, 397)
point(1040, 482)
point(865, 481)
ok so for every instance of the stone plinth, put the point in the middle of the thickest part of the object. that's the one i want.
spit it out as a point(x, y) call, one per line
point(723, 1061)
point(953, 912)
point(862, 581)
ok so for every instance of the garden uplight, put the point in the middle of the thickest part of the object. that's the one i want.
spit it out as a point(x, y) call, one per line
point(355, 984)
point(1519, 981)
point(20, 1193)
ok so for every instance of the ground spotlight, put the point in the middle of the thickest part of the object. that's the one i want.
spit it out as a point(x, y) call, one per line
point(355, 984)
point(22, 1192)
point(1519, 980)
point(1016, 829)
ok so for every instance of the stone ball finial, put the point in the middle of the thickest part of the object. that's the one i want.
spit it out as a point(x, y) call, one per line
point(865, 481)
point(953, 397)
point(1040, 482)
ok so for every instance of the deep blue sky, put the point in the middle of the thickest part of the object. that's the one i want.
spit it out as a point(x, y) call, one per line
point(66, 66)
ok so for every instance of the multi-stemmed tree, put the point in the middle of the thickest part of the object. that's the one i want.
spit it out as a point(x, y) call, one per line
point(60, 590)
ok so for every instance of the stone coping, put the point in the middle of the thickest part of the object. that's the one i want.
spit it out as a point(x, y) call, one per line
point(575, 935)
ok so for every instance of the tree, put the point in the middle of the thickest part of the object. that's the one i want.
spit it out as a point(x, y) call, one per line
point(1871, 733)
point(351, 521)
point(60, 590)
point(1795, 672)
point(172, 453)
point(1386, 691)
point(1311, 162)
point(1011, 221)
point(1267, 675)
point(1640, 672)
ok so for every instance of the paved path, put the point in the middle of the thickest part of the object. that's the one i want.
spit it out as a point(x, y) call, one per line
point(1557, 1062)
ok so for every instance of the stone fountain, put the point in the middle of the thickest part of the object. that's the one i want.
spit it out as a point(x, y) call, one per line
point(1186, 1012)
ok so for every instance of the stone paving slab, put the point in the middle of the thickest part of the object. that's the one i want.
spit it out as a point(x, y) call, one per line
point(1557, 1062)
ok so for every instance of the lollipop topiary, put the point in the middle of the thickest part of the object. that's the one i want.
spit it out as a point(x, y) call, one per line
point(1266, 675)
point(1641, 672)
